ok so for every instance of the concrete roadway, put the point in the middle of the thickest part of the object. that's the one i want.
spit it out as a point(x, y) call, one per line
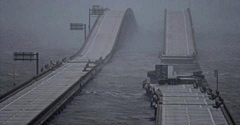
point(106, 35)
point(24, 106)
point(185, 105)
point(179, 38)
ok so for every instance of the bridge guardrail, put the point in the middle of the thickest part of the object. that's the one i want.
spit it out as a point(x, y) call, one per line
point(165, 32)
point(227, 114)
point(27, 83)
point(191, 21)
point(55, 105)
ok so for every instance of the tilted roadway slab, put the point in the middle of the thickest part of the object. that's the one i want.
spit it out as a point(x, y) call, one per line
point(179, 45)
point(106, 35)
point(185, 105)
point(25, 105)
point(179, 35)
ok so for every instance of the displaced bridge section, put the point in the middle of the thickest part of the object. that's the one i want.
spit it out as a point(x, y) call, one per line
point(36, 101)
point(179, 91)
point(179, 41)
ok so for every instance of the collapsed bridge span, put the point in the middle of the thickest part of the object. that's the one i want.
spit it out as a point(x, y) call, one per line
point(179, 44)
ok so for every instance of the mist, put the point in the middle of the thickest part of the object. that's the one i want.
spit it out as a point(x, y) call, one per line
point(43, 26)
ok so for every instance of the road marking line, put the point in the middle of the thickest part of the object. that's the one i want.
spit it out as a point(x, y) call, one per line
point(95, 35)
point(210, 113)
point(190, 90)
point(188, 118)
point(205, 101)
point(163, 118)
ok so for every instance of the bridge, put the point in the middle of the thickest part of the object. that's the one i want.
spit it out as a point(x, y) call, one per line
point(184, 104)
point(179, 44)
point(36, 101)
point(184, 96)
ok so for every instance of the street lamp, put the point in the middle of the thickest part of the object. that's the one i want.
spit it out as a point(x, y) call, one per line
point(216, 76)
point(189, 3)
point(96, 10)
point(79, 26)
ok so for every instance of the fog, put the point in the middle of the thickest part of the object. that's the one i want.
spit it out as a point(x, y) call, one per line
point(43, 26)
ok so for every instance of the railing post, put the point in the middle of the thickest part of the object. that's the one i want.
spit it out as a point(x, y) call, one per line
point(37, 62)
point(157, 115)
point(85, 32)
point(89, 20)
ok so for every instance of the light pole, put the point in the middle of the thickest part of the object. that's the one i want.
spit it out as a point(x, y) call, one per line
point(189, 3)
point(216, 76)
point(96, 10)
point(14, 74)
point(79, 26)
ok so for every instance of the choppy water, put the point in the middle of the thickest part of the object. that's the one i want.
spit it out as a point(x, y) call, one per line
point(115, 95)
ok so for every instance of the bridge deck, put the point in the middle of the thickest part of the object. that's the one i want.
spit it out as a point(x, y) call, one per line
point(28, 103)
point(105, 37)
point(25, 105)
point(184, 105)
point(179, 34)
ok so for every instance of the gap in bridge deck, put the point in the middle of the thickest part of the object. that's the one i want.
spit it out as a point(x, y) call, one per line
point(115, 95)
